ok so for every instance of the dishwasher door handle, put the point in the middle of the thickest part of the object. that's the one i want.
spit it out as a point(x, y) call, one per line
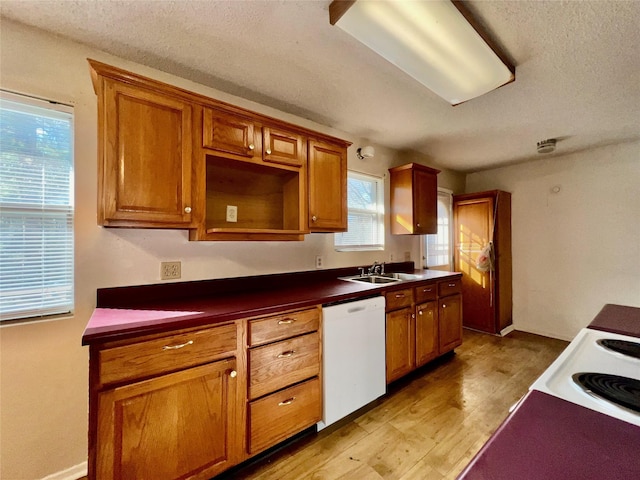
point(355, 309)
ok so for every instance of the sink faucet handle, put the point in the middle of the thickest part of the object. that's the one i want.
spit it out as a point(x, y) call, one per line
point(382, 269)
point(361, 270)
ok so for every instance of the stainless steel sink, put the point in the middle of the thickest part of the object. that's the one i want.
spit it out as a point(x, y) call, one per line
point(402, 276)
point(371, 279)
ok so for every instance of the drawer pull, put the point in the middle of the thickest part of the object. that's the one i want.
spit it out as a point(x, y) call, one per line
point(428, 289)
point(286, 402)
point(177, 347)
point(286, 354)
point(286, 321)
point(452, 284)
point(399, 295)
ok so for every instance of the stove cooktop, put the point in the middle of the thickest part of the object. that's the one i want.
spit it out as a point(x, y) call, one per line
point(589, 360)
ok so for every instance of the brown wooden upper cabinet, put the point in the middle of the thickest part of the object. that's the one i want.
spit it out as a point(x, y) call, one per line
point(327, 187)
point(414, 192)
point(145, 154)
point(170, 158)
point(228, 133)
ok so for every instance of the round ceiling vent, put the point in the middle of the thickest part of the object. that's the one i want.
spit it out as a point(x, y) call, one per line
point(547, 146)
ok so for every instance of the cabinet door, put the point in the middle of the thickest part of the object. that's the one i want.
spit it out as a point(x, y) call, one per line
point(450, 323)
point(426, 332)
point(280, 146)
point(327, 187)
point(474, 222)
point(145, 144)
point(229, 133)
point(425, 194)
point(400, 341)
point(179, 425)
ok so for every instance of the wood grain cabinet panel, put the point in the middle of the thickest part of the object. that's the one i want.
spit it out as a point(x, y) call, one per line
point(174, 426)
point(145, 157)
point(327, 187)
point(278, 327)
point(165, 354)
point(414, 191)
point(229, 133)
point(283, 363)
point(450, 323)
point(400, 343)
point(283, 147)
point(282, 414)
point(426, 332)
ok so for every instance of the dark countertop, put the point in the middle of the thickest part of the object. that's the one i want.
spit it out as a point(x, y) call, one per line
point(618, 319)
point(129, 311)
point(549, 438)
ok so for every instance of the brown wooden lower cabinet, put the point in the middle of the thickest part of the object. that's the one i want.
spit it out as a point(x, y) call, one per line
point(421, 324)
point(278, 416)
point(174, 426)
point(190, 404)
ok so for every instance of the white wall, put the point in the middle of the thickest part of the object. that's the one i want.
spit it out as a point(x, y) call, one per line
point(575, 250)
point(44, 369)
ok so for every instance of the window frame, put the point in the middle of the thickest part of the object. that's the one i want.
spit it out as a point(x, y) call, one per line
point(377, 212)
point(46, 213)
point(424, 247)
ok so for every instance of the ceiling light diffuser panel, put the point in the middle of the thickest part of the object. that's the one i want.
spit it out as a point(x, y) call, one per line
point(430, 40)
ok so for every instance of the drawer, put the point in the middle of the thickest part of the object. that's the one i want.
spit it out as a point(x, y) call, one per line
point(449, 287)
point(279, 327)
point(166, 354)
point(399, 298)
point(426, 293)
point(276, 417)
point(281, 364)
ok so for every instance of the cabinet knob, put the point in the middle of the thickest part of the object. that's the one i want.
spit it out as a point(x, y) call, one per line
point(233, 374)
point(417, 224)
point(268, 151)
point(314, 218)
point(444, 305)
point(187, 209)
point(419, 312)
point(252, 146)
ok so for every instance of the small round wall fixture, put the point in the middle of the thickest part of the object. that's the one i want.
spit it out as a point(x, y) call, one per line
point(547, 146)
point(365, 152)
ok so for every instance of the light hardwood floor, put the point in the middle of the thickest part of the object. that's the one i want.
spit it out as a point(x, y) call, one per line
point(430, 425)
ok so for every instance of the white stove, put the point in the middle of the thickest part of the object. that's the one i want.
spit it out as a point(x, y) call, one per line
point(586, 355)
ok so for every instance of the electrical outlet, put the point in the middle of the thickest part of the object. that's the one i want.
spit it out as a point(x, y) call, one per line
point(232, 213)
point(319, 261)
point(391, 257)
point(170, 270)
point(407, 256)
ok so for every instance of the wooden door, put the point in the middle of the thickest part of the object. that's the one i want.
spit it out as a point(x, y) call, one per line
point(179, 425)
point(400, 343)
point(146, 145)
point(426, 332)
point(450, 323)
point(425, 197)
point(327, 187)
point(473, 221)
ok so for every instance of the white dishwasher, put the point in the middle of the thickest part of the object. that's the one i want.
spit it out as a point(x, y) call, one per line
point(353, 357)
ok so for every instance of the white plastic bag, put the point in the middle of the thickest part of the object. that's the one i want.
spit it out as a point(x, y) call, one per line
point(484, 262)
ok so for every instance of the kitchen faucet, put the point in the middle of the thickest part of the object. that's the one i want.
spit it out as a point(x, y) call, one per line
point(376, 269)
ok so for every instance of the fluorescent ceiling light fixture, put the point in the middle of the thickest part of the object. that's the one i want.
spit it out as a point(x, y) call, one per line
point(430, 40)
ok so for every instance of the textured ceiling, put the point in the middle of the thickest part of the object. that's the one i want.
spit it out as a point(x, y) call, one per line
point(577, 69)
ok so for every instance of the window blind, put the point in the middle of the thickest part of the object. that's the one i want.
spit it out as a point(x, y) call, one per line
point(365, 201)
point(36, 208)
